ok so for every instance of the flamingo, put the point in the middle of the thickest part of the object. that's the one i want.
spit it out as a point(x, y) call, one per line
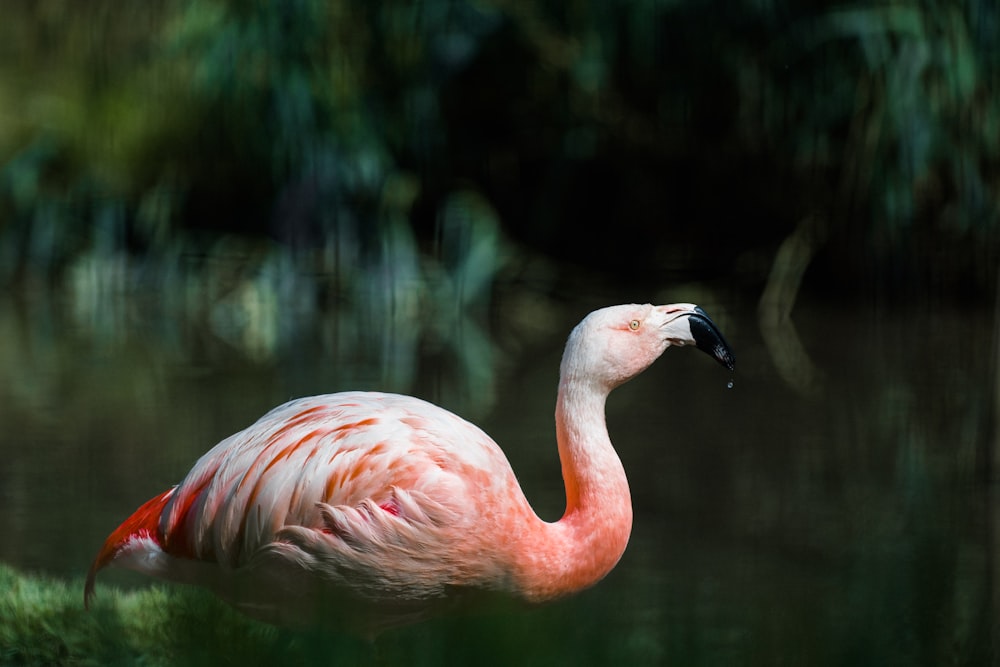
point(377, 509)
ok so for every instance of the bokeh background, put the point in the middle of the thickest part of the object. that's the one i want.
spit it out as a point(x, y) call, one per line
point(210, 206)
point(142, 140)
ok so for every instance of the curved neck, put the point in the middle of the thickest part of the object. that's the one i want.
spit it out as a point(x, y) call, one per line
point(586, 543)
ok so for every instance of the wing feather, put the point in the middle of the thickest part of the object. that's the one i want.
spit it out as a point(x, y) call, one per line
point(348, 483)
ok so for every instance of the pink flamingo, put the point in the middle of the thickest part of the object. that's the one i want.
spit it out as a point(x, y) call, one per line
point(376, 509)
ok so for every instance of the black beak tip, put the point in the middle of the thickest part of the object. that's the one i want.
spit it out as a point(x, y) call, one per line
point(709, 339)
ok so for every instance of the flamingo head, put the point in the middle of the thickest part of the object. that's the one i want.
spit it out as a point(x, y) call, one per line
point(612, 345)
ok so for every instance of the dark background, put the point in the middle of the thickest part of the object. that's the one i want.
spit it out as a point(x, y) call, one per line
point(639, 141)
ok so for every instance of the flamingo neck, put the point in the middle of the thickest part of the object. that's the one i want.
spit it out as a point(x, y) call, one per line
point(586, 543)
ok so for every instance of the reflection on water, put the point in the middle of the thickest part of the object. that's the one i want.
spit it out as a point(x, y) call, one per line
point(772, 526)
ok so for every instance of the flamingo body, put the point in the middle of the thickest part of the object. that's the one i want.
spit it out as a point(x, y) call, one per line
point(379, 508)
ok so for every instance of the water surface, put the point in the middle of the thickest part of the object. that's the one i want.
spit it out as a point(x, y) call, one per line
point(831, 508)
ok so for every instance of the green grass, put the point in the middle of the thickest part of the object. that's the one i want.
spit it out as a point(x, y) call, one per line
point(43, 622)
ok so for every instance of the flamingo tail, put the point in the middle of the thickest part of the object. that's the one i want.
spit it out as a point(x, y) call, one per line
point(144, 523)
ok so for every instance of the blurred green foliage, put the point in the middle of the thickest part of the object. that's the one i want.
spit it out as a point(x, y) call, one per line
point(140, 133)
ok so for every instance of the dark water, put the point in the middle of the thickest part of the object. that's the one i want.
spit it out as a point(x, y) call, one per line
point(832, 508)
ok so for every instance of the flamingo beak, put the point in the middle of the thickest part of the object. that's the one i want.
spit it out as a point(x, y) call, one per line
point(709, 339)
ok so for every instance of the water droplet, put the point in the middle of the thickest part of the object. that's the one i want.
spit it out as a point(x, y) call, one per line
point(730, 385)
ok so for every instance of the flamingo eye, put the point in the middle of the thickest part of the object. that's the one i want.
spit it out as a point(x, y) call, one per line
point(633, 325)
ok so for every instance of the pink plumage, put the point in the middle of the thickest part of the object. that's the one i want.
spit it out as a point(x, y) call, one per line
point(370, 509)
